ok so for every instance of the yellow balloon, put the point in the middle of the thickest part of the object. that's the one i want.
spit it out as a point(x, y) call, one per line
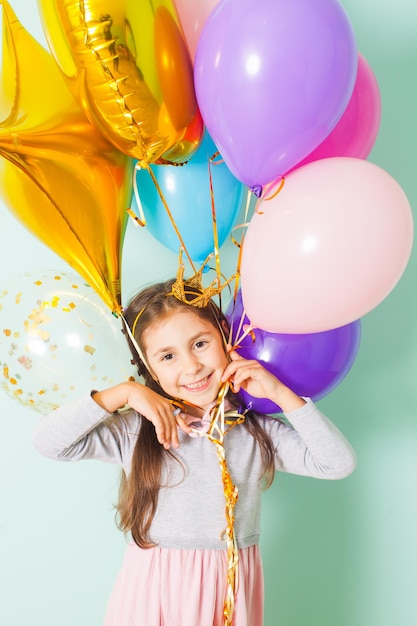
point(128, 65)
point(58, 175)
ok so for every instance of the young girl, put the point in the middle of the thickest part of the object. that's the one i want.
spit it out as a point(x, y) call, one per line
point(172, 495)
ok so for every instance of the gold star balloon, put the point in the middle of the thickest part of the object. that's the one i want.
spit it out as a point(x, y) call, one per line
point(128, 65)
point(66, 183)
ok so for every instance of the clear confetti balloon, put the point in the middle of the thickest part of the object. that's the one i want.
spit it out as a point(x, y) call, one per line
point(58, 340)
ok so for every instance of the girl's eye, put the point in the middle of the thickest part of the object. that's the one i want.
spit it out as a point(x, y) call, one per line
point(200, 344)
point(167, 357)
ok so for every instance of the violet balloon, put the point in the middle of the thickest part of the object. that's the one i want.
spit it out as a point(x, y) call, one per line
point(312, 364)
point(272, 79)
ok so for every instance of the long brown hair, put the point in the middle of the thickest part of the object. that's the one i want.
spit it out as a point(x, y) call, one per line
point(138, 496)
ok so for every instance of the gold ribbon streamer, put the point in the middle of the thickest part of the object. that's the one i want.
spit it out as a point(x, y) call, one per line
point(270, 188)
point(240, 247)
point(267, 190)
point(221, 423)
point(142, 221)
point(214, 219)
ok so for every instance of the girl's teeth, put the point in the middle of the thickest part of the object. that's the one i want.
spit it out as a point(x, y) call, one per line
point(200, 383)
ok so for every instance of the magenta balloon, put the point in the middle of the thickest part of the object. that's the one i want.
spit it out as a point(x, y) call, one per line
point(355, 133)
point(312, 364)
point(272, 79)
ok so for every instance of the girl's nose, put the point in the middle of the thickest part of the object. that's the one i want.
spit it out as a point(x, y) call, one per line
point(191, 364)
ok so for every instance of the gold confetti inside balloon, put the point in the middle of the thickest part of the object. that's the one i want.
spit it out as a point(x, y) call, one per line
point(58, 340)
point(58, 175)
point(128, 65)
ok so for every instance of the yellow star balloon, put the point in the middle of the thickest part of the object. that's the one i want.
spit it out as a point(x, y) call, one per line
point(128, 65)
point(59, 176)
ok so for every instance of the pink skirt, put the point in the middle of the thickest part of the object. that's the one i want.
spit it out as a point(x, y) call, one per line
point(168, 587)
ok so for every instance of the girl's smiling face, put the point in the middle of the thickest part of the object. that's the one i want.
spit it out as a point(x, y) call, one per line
point(187, 356)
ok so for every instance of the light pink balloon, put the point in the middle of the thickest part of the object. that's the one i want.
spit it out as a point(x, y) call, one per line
point(327, 249)
point(193, 15)
point(355, 133)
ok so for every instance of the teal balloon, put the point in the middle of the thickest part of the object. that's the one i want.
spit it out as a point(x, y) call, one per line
point(186, 190)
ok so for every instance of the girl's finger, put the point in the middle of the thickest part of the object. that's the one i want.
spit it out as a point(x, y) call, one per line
point(161, 433)
point(234, 354)
point(166, 428)
point(237, 366)
point(182, 423)
point(172, 428)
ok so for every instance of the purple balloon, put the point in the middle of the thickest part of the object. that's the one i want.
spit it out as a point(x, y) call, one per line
point(272, 79)
point(311, 364)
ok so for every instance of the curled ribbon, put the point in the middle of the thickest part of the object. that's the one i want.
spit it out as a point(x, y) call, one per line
point(214, 425)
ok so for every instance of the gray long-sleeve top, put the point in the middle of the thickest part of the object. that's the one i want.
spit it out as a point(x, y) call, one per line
point(191, 499)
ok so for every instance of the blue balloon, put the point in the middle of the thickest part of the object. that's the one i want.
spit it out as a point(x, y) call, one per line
point(186, 190)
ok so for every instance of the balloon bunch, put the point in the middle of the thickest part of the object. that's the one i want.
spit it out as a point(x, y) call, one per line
point(142, 96)
point(295, 110)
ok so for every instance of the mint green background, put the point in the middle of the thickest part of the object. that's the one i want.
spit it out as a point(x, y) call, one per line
point(335, 553)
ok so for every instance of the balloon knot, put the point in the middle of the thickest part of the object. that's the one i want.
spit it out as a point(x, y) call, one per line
point(257, 190)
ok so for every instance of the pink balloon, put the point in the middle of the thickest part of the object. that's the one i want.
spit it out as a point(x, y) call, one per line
point(193, 15)
point(355, 133)
point(327, 249)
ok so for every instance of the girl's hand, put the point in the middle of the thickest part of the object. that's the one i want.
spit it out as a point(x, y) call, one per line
point(148, 403)
point(257, 381)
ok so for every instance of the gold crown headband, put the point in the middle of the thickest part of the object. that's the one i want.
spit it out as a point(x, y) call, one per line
point(201, 295)
point(191, 290)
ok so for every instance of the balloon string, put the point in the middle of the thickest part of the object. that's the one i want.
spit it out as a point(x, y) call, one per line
point(216, 434)
point(216, 161)
point(141, 220)
point(213, 161)
point(245, 223)
point(248, 329)
point(247, 205)
point(239, 245)
point(214, 221)
point(164, 202)
point(276, 192)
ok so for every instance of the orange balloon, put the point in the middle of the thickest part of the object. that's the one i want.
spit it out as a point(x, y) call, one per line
point(58, 175)
point(128, 65)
